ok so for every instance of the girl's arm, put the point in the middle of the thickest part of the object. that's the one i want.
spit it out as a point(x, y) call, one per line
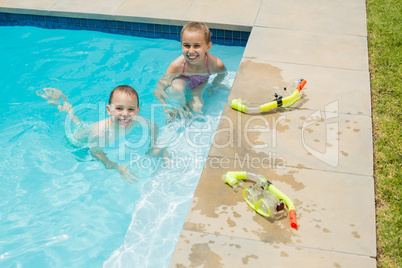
point(160, 91)
point(219, 78)
point(219, 68)
point(166, 80)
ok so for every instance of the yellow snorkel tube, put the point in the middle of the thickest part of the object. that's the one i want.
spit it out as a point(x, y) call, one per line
point(241, 105)
point(262, 196)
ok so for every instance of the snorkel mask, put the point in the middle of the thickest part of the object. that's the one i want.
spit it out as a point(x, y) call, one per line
point(294, 94)
point(262, 196)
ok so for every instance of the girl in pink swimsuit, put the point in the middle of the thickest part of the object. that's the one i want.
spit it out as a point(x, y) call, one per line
point(195, 80)
point(190, 72)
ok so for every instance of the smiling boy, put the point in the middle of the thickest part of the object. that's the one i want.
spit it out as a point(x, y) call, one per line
point(123, 109)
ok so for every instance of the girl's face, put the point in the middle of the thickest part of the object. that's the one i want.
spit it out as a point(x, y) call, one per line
point(123, 109)
point(194, 47)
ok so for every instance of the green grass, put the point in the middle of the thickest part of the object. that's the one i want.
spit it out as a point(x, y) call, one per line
point(385, 56)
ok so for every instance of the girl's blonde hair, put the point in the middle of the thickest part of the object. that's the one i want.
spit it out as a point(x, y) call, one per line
point(195, 26)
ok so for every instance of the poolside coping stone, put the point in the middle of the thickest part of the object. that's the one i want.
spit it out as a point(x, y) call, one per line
point(331, 206)
point(342, 17)
point(209, 250)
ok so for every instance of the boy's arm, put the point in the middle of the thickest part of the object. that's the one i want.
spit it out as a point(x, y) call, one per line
point(124, 173)
point(153, 132)
point(97, 152)
point(156, 149)
point(101, 155)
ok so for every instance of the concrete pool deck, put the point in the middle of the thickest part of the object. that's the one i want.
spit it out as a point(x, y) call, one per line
point(319, 152)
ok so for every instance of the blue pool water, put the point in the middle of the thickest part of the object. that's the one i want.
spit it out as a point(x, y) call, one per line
point(58, 206)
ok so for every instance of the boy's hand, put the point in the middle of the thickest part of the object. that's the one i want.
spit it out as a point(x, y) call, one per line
point(158, 152)
point(127, 175)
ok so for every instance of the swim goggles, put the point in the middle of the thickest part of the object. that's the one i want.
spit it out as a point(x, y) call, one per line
point(262, 196)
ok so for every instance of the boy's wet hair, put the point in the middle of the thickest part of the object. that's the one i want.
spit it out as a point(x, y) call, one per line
point(195, 26)
point(127, 90)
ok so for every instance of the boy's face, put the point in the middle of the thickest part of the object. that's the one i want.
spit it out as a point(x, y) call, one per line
point(123, 109)
point(194, 46)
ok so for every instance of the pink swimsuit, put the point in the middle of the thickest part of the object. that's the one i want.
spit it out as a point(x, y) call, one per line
point(195, 80)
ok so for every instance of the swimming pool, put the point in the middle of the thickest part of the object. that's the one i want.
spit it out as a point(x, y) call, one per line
point(60, 207)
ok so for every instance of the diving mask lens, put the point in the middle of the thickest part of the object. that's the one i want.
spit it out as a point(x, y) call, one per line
point(262, 201)
point(251, 197)
point(263, 207)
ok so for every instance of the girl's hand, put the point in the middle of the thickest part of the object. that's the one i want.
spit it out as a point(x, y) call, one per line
point(127, 175)
point(217, 87)
point(178, 113)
